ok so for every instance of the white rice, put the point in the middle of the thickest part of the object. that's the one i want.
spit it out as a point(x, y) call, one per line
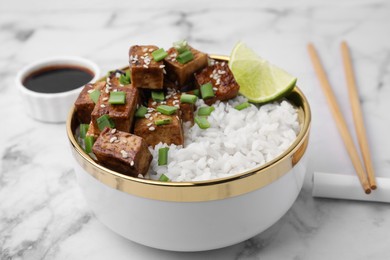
point(236, 141)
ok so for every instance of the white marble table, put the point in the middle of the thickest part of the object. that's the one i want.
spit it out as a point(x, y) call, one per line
point(42, 212)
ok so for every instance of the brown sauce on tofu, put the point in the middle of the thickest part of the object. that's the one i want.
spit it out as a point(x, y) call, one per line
point(56, 79)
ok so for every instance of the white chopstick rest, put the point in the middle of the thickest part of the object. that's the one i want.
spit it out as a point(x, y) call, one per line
point(342, 186)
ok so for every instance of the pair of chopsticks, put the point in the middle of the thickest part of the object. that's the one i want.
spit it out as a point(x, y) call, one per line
point(365, 174)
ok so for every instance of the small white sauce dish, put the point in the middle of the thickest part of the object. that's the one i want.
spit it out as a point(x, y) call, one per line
point(52, 107)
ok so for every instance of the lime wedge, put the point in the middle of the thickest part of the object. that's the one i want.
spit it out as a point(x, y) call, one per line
point(259, 80)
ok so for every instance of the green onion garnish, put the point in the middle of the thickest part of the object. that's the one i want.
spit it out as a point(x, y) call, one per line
point(205, 111)
point(94, 95)
point(89, 140)
point(117, 98)
point(207, 90)
point(202, 122)
point(164, 121)
point(188, 98)
point(196, 92)
point(158, 96)
point(181, 46)
point(242, 106)
point(141, 112)
point(105, 121)
point(185, 57)
point(125, 79)
point(159, 55)
point(83, 130)
point(163, 156)
point(163, 178)
point(166, 110)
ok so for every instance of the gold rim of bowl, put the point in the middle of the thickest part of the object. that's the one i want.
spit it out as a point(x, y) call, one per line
point(215, 189)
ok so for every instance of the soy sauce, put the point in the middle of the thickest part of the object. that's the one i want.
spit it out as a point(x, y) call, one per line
point(56, 79)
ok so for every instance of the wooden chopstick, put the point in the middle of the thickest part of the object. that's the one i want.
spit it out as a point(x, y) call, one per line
point(357, 114)
point(338, 116)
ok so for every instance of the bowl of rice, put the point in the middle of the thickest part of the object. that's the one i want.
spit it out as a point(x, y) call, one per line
point(227, 183)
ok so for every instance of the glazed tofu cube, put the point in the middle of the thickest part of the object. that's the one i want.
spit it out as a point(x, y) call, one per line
point(122, 115)
point(173, 99)
point(145, 71)
point(153, 134)
point(84, 105)
point(122, 152)
point(224, 85)
point(179, 73)
point(92, 131)
point(113, 78)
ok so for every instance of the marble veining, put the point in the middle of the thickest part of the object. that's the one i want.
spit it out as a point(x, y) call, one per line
point(43, 214)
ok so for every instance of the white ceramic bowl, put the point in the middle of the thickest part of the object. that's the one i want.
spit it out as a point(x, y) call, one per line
point(195, 216)
point(51, 107)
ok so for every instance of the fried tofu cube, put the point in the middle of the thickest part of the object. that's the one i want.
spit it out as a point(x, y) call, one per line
point(179, 73)
point(224, 85)
point(173, 99)
point(153, 134)
point(92, 131)
point(145, 71)
point(122, 152)
point(84, 105)
point(122, 115)
point(113, 78)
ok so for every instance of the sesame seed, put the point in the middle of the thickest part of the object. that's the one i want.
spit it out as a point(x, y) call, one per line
point(151, 118)
point(147, 115)
point(152, 128)
point(223, 64)
point(115, 90)
point(149, 124)
point(161, 66)
point(175, 97)
point(150, 49)
point(112, 139)
point(102, 105)
point(164, 71)
point(132, 163)
point(177, 105)
point(124, 154)
point(105, 99)
point(145, 49)
point(124, 141)
point(154, 103)
point(121, 85)
point(215, 89)
point(113, 131)
point(145, 66)
point(90, 90)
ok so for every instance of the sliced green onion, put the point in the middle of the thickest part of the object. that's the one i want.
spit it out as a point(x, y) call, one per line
point(163, 156)
point(242, 106)
point(117, 98)
point(89, 140)
point(125, 79)
point(188, 98)
point(159, 55)
point(202, 122)
point(185, 57)
point(105, 121)
point(158, 96)
point(205, 111)
point(196, 92)
point(207, 90)
point(83, 130)
point(166, 110)
point(163, 178)
point(181, 46)
point(94, 95)
point(141, 111)
point(164, 121)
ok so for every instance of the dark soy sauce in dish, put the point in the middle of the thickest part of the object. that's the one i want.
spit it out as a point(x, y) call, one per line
point(59, 78)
